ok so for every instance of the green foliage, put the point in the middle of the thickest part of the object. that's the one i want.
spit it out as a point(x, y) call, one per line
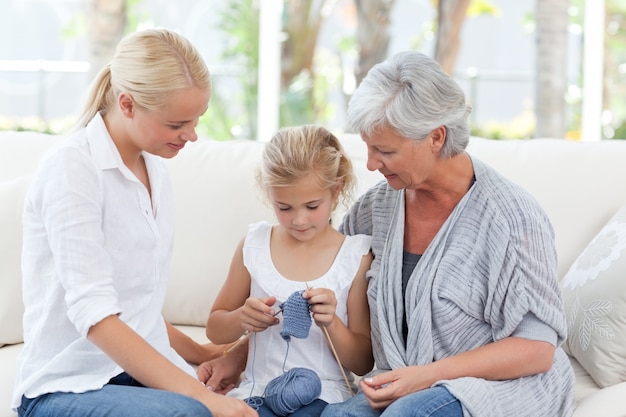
point(496, 131)
point(74, 28)
point(36, 124)
point(304, 100)
point(77, 25)
point(482, 7)
point(620, 131)
point(232, 111)
point(521, 127)
point(295, 106)
point(134, 15)
point(475, 8)
point(615, 68)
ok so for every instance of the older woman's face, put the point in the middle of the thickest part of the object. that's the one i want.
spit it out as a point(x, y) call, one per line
point(405, 163)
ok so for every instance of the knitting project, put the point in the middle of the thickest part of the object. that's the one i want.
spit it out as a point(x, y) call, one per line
point(298, 386)
point(296, 317)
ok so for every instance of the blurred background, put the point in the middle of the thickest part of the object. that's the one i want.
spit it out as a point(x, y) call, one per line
point(530, 68)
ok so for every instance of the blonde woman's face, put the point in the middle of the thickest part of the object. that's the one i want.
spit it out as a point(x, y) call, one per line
point(165, 132)
point(303, 208)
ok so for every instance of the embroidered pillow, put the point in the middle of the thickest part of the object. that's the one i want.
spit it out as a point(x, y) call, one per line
point(594, 293)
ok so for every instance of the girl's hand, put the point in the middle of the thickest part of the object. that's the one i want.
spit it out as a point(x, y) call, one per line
point(257, 314)
point(323, 305)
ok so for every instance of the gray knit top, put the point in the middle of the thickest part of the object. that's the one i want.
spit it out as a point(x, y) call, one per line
point(492, 263)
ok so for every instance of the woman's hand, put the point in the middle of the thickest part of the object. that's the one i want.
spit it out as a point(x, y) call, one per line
point(257, 314)
point(223, 406)
point(222, 374)
point(215, 376)
point(383, 389)
point(323, 305)
point(509, 358)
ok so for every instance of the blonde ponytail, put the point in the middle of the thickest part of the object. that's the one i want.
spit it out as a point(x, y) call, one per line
point(100, 96)
point(149, 65)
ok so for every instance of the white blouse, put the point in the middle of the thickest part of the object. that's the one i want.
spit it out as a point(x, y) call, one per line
point(94, 244)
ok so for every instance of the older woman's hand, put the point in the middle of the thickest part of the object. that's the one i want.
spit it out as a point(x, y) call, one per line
point(383, 389)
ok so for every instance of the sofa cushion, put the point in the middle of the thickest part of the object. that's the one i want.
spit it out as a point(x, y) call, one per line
point(12, 194)
point(216, 198)
point(579, 184)
point(594, 291)
point(23, 151)
point(8, 361)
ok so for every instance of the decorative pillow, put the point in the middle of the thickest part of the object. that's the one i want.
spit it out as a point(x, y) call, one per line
point(594, 293)
point(12, 193)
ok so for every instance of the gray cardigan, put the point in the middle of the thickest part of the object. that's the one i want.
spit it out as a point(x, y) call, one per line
point(493, 262)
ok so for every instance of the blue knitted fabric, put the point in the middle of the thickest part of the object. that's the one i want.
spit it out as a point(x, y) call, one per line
point(296, 317)
point(298, 386)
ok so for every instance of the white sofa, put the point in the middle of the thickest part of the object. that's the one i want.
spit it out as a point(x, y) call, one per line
point(580, 185)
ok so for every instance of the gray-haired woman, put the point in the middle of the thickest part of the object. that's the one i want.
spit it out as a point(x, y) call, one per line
point(466, 310)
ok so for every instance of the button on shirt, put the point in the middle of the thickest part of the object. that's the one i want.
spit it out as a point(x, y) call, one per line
point(95, 244)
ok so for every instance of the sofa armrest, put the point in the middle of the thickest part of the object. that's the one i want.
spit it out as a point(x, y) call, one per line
point(8, 361)
point(197, 333)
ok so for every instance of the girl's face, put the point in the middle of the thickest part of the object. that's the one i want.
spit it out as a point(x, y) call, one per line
point(165, 132)
point(303, 208)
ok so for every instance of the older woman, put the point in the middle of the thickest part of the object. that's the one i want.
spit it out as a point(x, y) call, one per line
point(466, 310)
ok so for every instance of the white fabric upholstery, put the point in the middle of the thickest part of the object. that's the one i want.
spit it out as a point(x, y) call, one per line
point(594, 293)
point(581, 185)
point(214, 184)
point(12, 194)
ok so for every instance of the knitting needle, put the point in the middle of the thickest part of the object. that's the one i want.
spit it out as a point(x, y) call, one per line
point(332, 347)
point(245, 335)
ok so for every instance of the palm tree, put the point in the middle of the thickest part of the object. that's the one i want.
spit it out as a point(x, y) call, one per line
point(450, 17)
point(302, 22)
point(551, 33)
point(106, 20)
point(372, 34)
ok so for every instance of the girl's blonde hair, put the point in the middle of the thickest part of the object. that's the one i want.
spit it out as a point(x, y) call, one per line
point(149, 65)
point(295, 152)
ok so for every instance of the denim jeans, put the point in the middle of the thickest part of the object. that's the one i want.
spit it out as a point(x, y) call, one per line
point(310, 410)
point(121, 397)
point(432, 402)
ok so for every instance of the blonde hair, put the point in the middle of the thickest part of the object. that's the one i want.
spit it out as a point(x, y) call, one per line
point(149, 65)
point(295, 152)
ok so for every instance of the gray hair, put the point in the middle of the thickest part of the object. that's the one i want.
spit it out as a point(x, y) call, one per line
point(413, 95)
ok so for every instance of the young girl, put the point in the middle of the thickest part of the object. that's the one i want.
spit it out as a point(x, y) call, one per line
point(98, 233)
point(304, 174)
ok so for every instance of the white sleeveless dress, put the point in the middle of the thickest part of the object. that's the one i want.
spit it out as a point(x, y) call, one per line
point(267, 349)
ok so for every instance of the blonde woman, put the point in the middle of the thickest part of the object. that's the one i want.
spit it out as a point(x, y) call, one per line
point(98, 234)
